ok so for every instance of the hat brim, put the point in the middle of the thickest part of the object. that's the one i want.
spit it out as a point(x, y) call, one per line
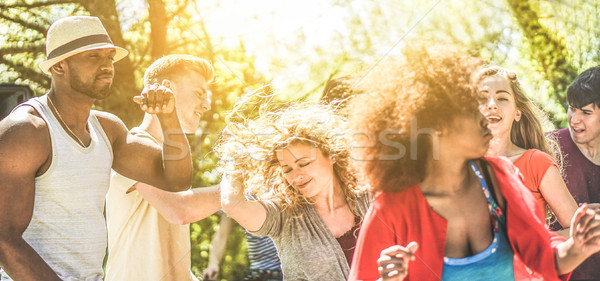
point(120, 54)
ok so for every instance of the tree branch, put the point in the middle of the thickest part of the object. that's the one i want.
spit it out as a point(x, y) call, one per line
point(35, 4)
point(33, 48)
point(40, 29)
point(180, 9)
point(27, 73)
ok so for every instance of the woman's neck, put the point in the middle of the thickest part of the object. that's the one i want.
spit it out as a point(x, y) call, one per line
point(331, 199)
point(503, 146)
point(446, 177)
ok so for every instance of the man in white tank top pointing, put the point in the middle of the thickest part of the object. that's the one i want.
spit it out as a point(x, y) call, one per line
point(56, 155)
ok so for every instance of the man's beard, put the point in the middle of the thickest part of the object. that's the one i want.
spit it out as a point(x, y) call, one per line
point(89, 89)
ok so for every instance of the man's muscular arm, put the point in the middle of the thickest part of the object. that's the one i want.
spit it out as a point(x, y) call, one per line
point(168, 168)
point(25, 148)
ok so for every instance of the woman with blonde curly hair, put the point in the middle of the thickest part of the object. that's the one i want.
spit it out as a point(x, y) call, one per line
point(517, 134)
point(297, 162)
point(444, 212)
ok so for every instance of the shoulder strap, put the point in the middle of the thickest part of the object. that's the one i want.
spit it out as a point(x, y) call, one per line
point(485, 167)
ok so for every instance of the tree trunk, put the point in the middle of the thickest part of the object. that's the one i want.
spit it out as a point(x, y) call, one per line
point(158, 24)
point(124, 84)
point(549, 52)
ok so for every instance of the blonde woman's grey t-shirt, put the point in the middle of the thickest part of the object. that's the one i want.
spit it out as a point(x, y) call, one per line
point(306, 247)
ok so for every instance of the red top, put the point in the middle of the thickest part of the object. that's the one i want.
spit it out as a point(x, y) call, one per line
point(401, 217)
point(533, 165)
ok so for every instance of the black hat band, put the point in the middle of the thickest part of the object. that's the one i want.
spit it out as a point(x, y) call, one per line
point(78, 43)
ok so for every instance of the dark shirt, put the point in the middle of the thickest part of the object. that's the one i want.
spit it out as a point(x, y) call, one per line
point(348, 240)
point(583, 181)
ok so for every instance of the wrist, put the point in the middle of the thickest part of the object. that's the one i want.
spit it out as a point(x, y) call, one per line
point(168, 120)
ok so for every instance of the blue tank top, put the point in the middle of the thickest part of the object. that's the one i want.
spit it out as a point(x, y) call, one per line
point(493, 263)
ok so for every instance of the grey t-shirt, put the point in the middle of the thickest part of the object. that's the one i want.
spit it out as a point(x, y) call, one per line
point(306, 247)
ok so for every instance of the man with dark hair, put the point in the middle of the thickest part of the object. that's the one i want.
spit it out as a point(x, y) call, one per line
point(148, 228)
point(56, 155)
point(580, 145)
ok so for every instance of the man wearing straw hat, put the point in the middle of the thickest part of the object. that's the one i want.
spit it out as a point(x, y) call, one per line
point(56, 155)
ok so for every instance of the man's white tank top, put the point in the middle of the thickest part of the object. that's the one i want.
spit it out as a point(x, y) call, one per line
point(68, 229)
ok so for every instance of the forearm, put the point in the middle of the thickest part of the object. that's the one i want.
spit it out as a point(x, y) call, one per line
point(231, 196)
point(249, 214)
point(568, 257)
point(219, 241)
point(185, 206)
point(21, 262)
point(177, 161)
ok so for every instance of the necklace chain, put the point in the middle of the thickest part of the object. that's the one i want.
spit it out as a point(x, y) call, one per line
point(79, 141)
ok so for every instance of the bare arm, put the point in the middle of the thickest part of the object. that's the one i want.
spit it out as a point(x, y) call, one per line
point(217, 248)
point(182, 207)
point(555, 192)
point(24, 149)
point(251, 215)
point(168, 168)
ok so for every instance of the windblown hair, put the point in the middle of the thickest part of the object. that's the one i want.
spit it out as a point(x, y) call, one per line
point(430, 88)
point(249, 147)
point(339, 90)
point(585, 89)
point(528, 132)
point(172, 65)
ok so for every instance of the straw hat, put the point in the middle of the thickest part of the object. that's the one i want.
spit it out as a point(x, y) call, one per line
point(72, 35)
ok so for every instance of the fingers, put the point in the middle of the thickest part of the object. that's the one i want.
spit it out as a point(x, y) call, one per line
point(151, 95)
point(594, 206)
point(210, 274)
point(576, 220)
point(156, 98)
point(592, 229)
point(393, 262)
point(412, 248)
point(399, 251)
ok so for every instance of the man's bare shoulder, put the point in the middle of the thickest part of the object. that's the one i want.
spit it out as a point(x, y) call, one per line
point(24, 123)
point(113, 126)
point(24, 135)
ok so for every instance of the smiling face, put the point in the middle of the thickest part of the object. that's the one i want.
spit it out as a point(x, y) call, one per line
point(192, 99)
point(91, 72)
point(584, 124)
point(499, 105)
point(306, 168)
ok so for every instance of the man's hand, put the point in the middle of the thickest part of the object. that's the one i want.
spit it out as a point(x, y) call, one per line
point(156, 99)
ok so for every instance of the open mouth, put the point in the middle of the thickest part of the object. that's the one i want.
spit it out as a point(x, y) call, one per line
point(494, 119)
point(577, 130)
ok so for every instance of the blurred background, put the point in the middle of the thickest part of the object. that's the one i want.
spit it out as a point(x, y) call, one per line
point(296, 47)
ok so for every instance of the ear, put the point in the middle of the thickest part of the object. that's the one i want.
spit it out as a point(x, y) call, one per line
point(58, 68)
point(332, 159)
point(518, 115)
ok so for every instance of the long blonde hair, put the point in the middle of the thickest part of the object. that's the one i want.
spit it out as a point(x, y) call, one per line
point(249, 147)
